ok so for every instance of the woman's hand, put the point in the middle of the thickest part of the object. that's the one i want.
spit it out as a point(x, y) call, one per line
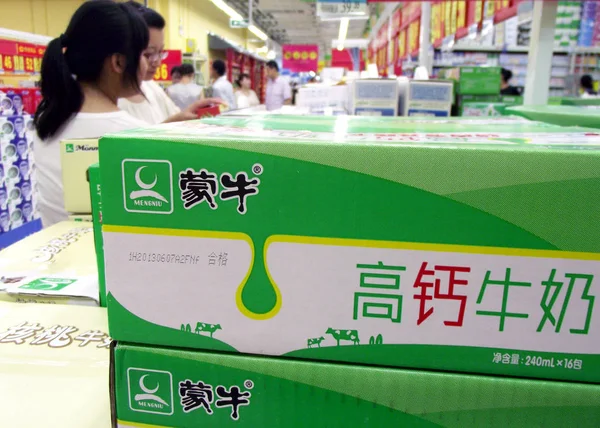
point(190, 112)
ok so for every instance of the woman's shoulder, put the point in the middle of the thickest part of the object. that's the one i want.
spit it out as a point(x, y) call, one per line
point(95, 125)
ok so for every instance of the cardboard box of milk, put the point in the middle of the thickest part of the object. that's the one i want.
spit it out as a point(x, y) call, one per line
point(464, 251)
point(194, 389)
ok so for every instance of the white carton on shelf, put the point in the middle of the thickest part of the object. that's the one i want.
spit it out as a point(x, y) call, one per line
point(428, 98)
point(374, 97)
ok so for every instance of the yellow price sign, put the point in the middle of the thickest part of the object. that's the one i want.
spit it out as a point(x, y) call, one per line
point(162, 73)
point(436, 21)
point(413, 37)
point(461, 14)
point(402, 44)
point(18, 63)
point(8, 63)
point(447, 15)
point(37, 65)
point(490, 8)
point(453, 13)
point(478, 11)
point(29, 65)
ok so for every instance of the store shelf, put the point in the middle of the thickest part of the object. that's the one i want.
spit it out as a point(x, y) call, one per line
point(514, 49)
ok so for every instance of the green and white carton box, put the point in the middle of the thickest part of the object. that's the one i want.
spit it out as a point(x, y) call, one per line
point(96, 199)
point(473, 252)
point(159, 387)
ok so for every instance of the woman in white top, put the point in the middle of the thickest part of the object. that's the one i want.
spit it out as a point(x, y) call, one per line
point(153, 105)
point(84, 72)
point(245, 96)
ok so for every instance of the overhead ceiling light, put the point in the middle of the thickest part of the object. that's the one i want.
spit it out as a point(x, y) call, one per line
point(227, 9)
point(258, 33)
point(343, 33)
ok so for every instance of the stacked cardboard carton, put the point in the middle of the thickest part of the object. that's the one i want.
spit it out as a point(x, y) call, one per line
point(76, 156)
point(353, 272)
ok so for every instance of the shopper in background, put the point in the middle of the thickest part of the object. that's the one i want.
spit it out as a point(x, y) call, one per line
point(222, 88)
point(175, 75)
point(245, 96)
point(186, 92)
point(97, 60)
point(278, 90)
point(505, 87)
point(153, 105)
point(587, 85)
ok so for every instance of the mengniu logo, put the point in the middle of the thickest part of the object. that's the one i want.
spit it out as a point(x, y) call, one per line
point(150, 391)
point(48, 284)
point(148, 186)
point(70, 148)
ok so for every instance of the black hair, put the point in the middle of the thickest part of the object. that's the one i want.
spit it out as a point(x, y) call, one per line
point(97, 30)
point(186, 69)
point(506, 75)
point(175, 70)
point(587, 82)
point(242, 77)
point(219, 66)
point(272, 64)
point(153, 18)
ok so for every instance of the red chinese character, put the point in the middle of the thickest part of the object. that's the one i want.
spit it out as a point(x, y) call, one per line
point(424, 296)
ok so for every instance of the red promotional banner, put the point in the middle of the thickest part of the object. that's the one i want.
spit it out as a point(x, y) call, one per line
point(301, 58)
point(173, 59)
point(26, 49)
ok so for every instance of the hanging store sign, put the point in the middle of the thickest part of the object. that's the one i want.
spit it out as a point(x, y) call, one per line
point(173, 59)
point(301, 58)
point(20, 57)
point(338, 9)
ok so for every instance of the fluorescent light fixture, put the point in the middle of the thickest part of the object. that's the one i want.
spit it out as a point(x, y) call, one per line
point(227, 9)
point(258, 33)
point(264, 49)
point(343, 33)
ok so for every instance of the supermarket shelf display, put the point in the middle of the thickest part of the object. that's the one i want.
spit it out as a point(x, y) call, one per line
point(18, 201)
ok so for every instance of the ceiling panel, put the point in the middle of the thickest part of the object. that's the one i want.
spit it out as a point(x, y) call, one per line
point(295, 21)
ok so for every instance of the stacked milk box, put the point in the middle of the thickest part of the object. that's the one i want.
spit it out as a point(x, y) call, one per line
point(17, 168)
point(287, 271)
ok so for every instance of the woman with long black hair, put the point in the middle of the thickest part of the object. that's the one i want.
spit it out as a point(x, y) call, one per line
point(84, 72)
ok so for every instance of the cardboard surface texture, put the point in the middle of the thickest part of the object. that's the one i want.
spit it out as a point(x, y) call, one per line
point(163, 387)
point(566, 115)
point(54, 366)
point(55, 265)
point(76, 156)
point(388, 248)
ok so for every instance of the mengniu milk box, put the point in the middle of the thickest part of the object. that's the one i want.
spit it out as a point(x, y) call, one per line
point(166, 387)
point(475, 252)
